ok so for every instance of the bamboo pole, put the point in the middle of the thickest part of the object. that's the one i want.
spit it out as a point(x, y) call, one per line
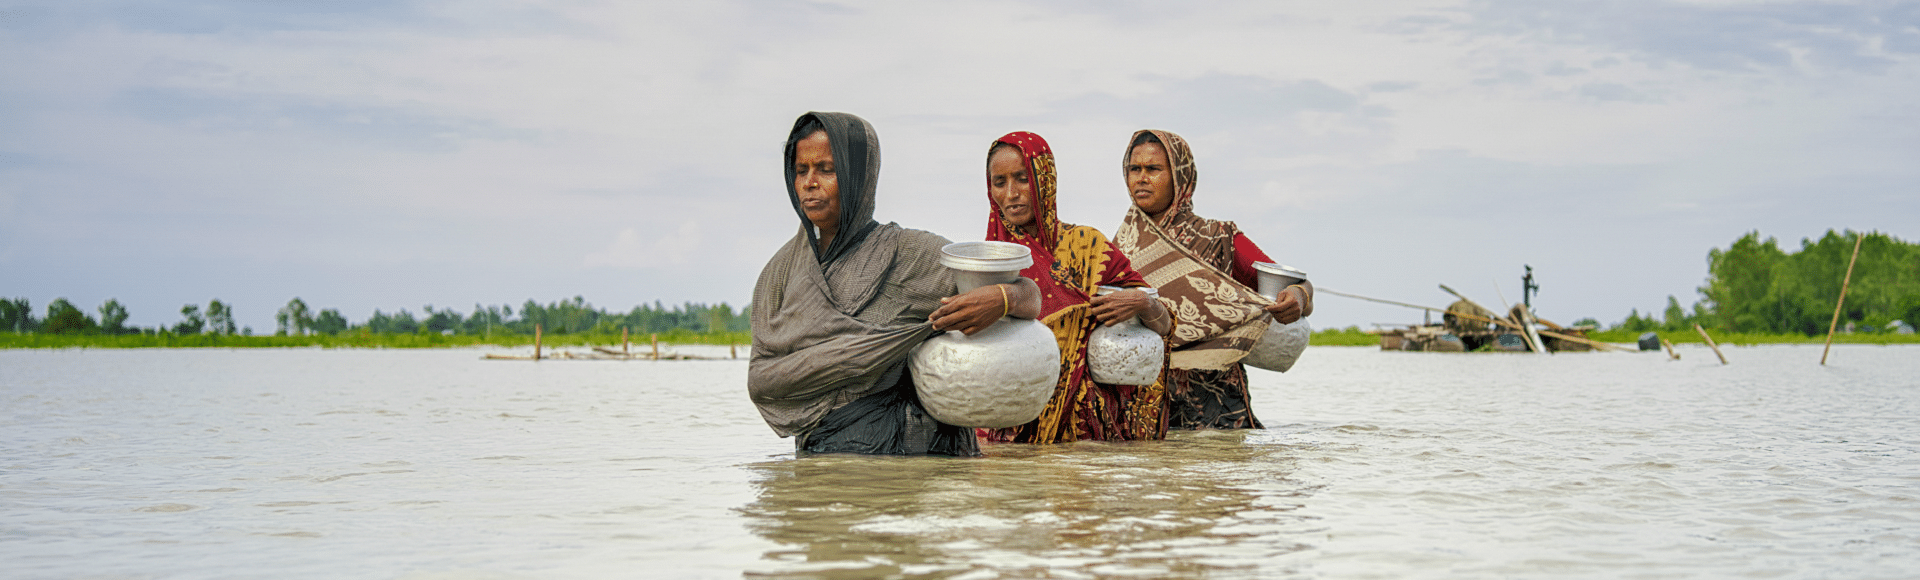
point(731, 353)
point(1581, 340)
point(1710, 344)
point(624, 342)
point(536, 342)
point(1844, 282)
point(1671, 355)
point(656, 345)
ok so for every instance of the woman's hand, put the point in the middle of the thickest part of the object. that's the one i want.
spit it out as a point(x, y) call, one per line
point(979, 308)
point(1292, 304)
point(1111, 309)
point(972, 312)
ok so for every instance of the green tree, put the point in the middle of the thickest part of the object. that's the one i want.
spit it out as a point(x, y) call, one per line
point(1675, 317)
point(486, 320)
point(17, 315)
point(219, 317)
point(1637, 323)
point(1753, 286)
point(1741, 285)
point(293, 319)
point(442, 320)
point(401, 322)
point(191, 322)
point(64, 318)
point(113, 317)
point(330, 322)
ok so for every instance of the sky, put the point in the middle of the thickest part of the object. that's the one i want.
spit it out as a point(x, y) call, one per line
point(396, 154)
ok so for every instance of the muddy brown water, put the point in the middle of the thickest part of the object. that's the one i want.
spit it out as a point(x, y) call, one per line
point(435, 464)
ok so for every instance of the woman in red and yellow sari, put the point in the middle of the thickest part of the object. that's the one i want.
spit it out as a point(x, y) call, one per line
point(1070, 263)
point(1205, 269)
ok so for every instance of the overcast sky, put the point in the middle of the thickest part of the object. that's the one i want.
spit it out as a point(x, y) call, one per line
point(394, 154)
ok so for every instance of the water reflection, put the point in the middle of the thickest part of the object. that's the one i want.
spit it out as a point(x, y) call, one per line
point(1212, 504)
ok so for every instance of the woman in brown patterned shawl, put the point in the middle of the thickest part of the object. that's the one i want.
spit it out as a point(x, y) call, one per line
point(1205, 267)
point(838, 309)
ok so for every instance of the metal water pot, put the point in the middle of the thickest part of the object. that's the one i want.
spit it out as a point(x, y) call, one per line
point(1002, 376)
point(1127, 353)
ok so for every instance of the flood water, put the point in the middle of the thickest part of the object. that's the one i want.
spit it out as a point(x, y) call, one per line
point(436, 464)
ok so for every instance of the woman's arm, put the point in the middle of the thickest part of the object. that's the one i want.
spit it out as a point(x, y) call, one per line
point(1295, 303)
point(1111, 309)
point(977, 309)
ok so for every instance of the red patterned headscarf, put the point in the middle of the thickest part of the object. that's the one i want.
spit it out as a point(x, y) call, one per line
point(1044, 233)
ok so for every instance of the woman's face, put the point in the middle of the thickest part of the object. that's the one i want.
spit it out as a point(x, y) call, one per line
point(1150, 178)
point(1011, 186)
point(814, 181)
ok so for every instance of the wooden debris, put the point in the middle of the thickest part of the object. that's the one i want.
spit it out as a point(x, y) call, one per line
point(1844, 282)
point(1710, 344)
point(599, 353)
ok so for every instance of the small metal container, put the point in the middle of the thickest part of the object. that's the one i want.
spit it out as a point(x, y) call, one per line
point(1276, 277)
point(977, 264)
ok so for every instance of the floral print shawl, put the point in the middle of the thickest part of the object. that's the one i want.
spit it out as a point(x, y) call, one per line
point(1188, 259)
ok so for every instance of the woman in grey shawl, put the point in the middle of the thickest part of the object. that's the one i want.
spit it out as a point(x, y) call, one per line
point(837, 310)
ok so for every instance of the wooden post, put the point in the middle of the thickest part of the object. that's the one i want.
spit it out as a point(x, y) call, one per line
point(536, 342)
point(1710, 344)
point(624, 342)
point(656, 345)
point(1670, 354)
point(1844, 282)
point(731, 352)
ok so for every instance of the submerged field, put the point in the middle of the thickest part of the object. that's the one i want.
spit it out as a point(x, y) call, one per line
point(1349, 336)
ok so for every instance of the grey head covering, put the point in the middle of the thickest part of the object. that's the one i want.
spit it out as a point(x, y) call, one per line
point(856, 164)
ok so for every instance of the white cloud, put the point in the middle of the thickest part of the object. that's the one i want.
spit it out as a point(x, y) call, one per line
point(632, 250)
point(426, 143)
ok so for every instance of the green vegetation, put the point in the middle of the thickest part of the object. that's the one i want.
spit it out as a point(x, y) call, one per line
point(1621, 336)
point(362, 340)
point(1349, 336)
point(1761, 294)
point(563, 323)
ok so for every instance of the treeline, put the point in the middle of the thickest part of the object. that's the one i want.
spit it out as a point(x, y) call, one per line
point(1753, 286)
point(574, 316)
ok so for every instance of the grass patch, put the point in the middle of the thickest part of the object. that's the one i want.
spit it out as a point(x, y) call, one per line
point(1753, 338)
point(1349, 336)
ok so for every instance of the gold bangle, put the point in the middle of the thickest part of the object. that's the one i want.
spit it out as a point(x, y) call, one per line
point(1005, 306)
point(1164, 313)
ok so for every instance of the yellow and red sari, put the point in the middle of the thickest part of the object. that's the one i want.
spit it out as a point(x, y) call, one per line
point(1070, 262)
